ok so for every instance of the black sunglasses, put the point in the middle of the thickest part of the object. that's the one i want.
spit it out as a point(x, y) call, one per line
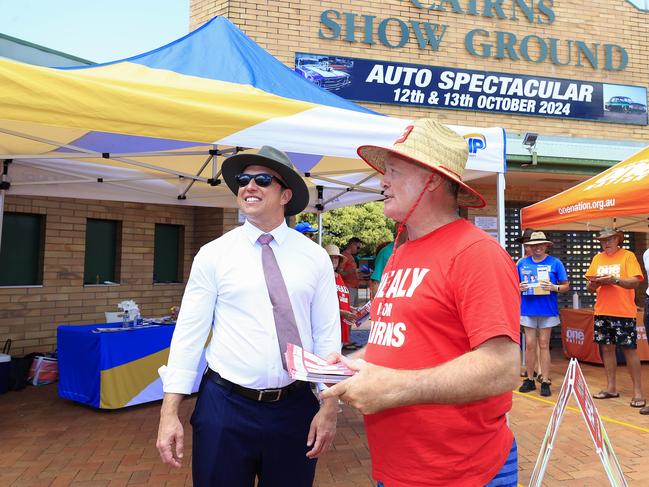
point(262, 180)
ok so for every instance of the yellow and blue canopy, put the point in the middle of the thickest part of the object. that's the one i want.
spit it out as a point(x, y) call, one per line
point(153, 128)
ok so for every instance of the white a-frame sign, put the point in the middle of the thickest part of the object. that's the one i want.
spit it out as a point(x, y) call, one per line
point(574, 383)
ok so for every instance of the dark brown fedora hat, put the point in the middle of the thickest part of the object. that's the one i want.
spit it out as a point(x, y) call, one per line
point(525, 237)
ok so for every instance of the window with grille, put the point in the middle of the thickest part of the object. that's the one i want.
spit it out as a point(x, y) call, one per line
point(574, 249)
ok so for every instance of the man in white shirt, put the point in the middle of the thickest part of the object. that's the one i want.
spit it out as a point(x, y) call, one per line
point(251, 419)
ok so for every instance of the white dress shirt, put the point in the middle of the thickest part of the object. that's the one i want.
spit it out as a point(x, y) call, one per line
point(226, 293)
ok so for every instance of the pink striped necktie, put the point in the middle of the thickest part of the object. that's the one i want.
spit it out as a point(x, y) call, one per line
point(285, 323)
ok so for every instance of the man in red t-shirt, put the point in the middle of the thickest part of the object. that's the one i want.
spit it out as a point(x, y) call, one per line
point(348, 268)
point(443, 355)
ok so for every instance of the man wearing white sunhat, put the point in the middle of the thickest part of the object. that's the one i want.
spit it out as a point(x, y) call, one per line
point(614, 274)
point(443, 354)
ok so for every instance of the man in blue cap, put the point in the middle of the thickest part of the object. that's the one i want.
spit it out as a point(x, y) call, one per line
point(306, 229)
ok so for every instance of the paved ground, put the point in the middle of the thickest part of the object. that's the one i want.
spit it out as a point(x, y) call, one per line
point(47, 441)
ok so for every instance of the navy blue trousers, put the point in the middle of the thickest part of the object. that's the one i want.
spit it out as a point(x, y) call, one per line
point(236, 439)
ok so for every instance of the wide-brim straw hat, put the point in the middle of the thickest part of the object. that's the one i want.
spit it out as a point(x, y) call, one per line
point(333, 250)
point(279, 162)
point(434, 145)
point(525, 237)
point(537, 238)
point(609, 232)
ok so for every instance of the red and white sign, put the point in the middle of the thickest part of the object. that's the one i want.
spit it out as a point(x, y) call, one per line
point(553, 427)
point(588, 409)
point(574, 383)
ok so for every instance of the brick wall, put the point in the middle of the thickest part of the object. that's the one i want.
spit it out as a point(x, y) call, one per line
point(30, 315)
point(207, 10)
point(210, 223)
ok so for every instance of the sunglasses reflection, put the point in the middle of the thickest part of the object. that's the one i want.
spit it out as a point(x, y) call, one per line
point(262, 180)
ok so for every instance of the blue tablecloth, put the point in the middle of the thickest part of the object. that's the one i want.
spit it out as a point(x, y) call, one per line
point(111, 370)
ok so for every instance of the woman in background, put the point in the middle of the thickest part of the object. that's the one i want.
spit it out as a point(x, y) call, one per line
point(541, 278)
point(347, 316)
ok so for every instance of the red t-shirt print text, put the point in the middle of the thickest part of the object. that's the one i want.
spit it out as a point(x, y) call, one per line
point(395, 284)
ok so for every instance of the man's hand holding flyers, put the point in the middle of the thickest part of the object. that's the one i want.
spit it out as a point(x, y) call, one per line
point(371, 389)
point(367, 387)
point(306, 366)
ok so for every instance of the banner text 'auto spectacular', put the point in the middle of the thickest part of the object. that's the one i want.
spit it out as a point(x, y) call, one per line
point(452, 88)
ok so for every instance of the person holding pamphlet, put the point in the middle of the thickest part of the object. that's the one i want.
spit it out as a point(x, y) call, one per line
point(614, 274)
point(524, 237)
point(258, 289)
point(348, 268)
point(541, 277)
point(436, 377)
point(347, 311)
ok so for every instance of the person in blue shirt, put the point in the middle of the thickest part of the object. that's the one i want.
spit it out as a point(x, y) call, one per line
point(541, 277)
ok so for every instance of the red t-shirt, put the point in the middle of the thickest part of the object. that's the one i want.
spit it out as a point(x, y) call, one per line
point(343, 304)
point(350, 269)
point(444, 295)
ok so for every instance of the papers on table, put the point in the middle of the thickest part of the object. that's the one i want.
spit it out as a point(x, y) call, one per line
point(119, 328)
point(163, 320)
point(361, 315)
point(303, 365)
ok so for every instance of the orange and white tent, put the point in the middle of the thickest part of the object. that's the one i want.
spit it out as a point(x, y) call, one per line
point(618, 197)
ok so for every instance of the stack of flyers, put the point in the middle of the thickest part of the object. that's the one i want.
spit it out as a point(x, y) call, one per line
point(361, 315)
point(303, 365)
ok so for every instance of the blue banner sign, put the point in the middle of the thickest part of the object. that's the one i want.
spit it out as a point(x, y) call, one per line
point(465, 89)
